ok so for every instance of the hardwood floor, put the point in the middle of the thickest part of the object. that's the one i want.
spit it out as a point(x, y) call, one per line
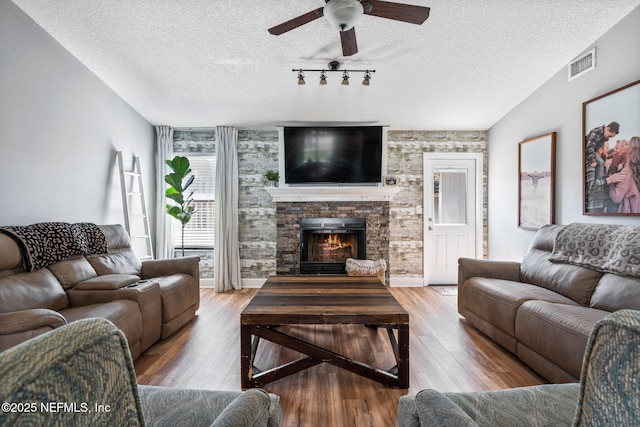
point(445, 354)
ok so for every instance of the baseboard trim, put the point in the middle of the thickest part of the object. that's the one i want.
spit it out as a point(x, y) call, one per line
point(253, 283)
point(396, 282)
point(207, 283)
point(406, 282)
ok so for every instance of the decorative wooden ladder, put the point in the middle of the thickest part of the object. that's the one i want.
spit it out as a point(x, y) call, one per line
point(136, 221)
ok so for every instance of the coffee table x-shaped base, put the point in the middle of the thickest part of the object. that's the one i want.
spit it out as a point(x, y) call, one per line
point(250, 336)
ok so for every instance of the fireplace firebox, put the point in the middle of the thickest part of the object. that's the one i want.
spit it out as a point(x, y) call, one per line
point(326, 243)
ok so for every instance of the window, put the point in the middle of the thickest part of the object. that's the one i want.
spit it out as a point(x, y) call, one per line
point(450, 197)
point(199, 231)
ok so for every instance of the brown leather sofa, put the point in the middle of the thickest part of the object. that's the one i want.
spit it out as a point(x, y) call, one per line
point(544, 311)
point(147, 300)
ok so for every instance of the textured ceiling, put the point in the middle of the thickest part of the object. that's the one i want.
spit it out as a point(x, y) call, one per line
point(197, 63)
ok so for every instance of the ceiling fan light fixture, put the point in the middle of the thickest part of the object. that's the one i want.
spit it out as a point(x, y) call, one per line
point(345, 78)
point(343, 14)
point(301, 78)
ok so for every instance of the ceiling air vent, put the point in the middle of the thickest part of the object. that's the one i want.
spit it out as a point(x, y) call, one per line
point(582, 64)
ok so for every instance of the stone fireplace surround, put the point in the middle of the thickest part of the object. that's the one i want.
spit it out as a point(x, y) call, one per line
point(288, 215)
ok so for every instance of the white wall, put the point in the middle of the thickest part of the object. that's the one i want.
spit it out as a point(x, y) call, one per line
point(60, 127)
point(556, 107)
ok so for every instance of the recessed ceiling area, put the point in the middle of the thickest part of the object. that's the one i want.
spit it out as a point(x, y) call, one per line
point(197, 63)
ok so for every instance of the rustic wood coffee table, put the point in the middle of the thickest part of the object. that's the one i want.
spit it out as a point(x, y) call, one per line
point(326, 300)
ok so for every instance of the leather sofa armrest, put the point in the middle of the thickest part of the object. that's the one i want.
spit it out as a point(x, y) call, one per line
point(26, 320)
point(145, 292)
point(166, 267)
point(19, 326)
point(469, 267)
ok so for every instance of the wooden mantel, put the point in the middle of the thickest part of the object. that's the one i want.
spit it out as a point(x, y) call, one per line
point(333, 194)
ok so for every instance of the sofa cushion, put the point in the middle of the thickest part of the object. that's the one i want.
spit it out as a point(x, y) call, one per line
point(615, 292)
point(125, 314)
point(72, 270)
point(121, 261)
point(571, 281)
point(558, 332)
point(38, 289)
point(116, 236)
point(497, 301)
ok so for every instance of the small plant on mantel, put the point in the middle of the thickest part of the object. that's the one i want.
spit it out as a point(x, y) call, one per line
point(272, 177)
point(176, 192)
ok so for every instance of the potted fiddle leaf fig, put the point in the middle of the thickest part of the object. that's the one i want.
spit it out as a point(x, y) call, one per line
point(183, 209)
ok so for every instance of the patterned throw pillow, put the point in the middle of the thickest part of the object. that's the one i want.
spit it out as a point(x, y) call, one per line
point(607, 248)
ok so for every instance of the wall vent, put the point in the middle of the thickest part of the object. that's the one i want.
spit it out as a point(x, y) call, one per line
point(582, 64)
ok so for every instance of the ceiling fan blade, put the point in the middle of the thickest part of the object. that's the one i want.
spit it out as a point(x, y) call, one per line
point(396, 11)
point(296, 22)
point(349, 44)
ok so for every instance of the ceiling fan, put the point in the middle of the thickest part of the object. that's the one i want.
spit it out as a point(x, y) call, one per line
point(343, 15)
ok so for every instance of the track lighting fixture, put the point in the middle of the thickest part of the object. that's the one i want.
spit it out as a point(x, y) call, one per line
point(334, 66)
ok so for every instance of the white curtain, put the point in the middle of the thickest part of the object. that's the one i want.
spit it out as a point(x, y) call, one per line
point(453, 192)
point(164, 227)
point(227, 245)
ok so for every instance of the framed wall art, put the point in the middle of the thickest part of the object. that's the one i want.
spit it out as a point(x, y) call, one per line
point(536, 181)
point(611, 152)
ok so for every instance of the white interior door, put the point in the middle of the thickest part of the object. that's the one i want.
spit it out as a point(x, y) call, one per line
point(452, 213)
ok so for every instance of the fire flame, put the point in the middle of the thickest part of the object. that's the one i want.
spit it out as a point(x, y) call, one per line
point(334, 246)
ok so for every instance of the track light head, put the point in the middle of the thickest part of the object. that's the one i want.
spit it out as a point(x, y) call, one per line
point(323, 78)
point(367, 78)
point(301, 78)
point(345, 78)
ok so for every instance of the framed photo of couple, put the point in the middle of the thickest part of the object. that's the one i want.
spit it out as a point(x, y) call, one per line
point(611, 152)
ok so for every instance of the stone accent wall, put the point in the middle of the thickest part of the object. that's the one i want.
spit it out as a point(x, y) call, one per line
point(194, 141)
point(260, 228)
point(288, 217)
point(404, 160)
point(257, 153)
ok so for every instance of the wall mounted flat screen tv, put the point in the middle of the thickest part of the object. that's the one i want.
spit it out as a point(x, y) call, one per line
point(333, 155)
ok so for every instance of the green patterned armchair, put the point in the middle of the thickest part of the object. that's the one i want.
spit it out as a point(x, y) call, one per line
point(608, 393)
point(82, 374)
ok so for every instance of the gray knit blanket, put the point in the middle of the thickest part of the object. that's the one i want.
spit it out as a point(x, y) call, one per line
point(607, 248)
point(46, 243)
